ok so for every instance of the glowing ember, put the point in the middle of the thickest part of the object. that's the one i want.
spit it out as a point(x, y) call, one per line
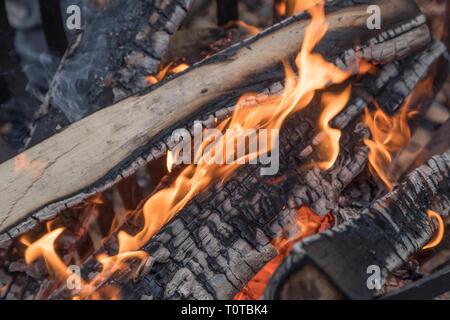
point(309, 223)
point(440, 232)
point(268, 112)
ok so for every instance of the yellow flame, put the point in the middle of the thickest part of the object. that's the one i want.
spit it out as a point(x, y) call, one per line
point(389, 136)
point(170, 161)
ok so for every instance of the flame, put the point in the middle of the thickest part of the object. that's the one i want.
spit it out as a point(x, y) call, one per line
point(166, 71)
point(440, 232)
point(45, 247)
point(170, 161)
point(309, 223)
point(291, 7)
point(389, 136)
point(252, 30)
point(252, 112)
point(329, 146)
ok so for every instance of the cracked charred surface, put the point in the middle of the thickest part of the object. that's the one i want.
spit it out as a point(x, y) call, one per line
point(126, 140)
point(385, 235)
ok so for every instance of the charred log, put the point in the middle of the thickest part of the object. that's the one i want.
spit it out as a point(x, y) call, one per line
point(335, 263)
point(222, 237)
point(127, 138)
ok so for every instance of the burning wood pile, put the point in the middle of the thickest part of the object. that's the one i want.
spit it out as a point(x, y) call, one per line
point(305, 157)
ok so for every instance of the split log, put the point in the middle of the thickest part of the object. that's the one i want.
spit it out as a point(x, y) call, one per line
point(216, 244)
point(108, 61)
point(335, 263)
point(74, 164)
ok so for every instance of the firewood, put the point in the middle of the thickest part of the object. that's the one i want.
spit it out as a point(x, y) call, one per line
point(214, 245)
point(383, 236)
point(93, 154)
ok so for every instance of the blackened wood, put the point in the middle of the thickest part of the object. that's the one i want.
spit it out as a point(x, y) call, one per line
point(227, 11)
point(53, 26)
point(125, 138)
point(214, 245)
point(383, 236)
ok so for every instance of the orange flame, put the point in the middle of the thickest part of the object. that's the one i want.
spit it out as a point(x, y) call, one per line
point(252, 30)
point(291, 7)
point(166, 71)
point(440, 232)
point(329, 146)
point(45, 247)
point(252, 112)
point(170, 161)
point(389, 136)
point(309, 223)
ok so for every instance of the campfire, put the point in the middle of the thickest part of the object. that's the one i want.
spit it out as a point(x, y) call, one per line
point(302, 156)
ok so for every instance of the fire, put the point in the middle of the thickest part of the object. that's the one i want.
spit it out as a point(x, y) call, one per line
point(267, 112)
point(45, 247)
point(252, 30)
point(166, 71)
point(440, 232)
point(389, 136)
point(170, 161)
point(329, 146)
point(291, 7)
point(309, 223)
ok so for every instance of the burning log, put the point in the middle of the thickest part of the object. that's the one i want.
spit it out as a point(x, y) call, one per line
point(336, 263)
point(108, 61)
point(133, 132)
point(221, 238)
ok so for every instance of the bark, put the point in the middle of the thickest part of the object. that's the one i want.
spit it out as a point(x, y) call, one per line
point(384, 235)
point(108, 61)
point(126, 138)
